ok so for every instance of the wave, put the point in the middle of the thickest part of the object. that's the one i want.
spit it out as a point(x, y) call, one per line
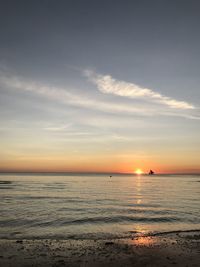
point(94, 236)
point(106, 220)
point(91, 220)
point(5, 182)
point(172, 232)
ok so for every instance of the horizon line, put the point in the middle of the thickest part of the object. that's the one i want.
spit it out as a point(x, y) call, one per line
point(92, 172)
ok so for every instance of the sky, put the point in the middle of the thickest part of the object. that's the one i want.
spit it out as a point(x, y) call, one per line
point(100, 86)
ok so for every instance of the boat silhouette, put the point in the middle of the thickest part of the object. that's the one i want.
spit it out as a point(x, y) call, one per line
point(151, 172)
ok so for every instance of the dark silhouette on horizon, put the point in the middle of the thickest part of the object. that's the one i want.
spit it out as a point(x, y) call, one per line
point(151, 172)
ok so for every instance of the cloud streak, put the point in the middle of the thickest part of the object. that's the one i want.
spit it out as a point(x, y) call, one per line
point(108, 85)
point(64, 96)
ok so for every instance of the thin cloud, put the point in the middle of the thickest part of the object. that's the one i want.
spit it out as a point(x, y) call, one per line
point(65, 96)
point(108, 85)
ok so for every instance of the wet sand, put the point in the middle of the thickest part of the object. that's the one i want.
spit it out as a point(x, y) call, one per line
point(169, 249)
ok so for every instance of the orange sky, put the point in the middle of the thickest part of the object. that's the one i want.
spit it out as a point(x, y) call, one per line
point(100, 164)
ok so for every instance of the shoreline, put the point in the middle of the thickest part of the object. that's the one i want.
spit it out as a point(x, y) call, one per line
point(94, 237)
point(180, 248)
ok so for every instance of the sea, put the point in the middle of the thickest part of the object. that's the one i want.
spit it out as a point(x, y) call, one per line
point(97, 206)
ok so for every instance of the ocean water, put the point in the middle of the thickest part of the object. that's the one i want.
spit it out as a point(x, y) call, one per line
point(97, 206)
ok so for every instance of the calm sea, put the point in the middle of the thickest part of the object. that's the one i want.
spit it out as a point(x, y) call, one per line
point(96, 206)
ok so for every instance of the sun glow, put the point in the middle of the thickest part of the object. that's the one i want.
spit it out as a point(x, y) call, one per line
point(138, 171)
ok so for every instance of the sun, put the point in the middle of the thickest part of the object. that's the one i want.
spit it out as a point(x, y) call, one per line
point(138, 171)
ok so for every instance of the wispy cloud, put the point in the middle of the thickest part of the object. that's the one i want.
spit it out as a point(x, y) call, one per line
point(107, 84)
point(63, 95)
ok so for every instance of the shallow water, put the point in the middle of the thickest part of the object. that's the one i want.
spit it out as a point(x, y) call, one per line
point(96, 206)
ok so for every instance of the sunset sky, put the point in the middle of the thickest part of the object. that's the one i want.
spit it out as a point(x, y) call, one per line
point(100, 86)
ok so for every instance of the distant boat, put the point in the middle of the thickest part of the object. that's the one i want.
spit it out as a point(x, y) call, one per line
point(151, 172)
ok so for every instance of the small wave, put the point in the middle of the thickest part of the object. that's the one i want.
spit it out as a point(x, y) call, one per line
point(6, 187)
point(15, 222)
point(116, 210)
point(173, 232)
point(84, 236)
point(94, 236)
point(92, 220)
point(68, 199)
point(120, 219)
point(5, 182)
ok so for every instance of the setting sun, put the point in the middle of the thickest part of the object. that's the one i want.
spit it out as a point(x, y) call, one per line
point(138, 171)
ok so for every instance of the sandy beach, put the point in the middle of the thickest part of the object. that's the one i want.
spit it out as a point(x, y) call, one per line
point(168, 249)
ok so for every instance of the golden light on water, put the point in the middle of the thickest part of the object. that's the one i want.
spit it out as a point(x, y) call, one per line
point(138, 171)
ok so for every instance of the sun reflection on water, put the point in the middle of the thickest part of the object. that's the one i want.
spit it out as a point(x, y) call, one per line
point(138, 189)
